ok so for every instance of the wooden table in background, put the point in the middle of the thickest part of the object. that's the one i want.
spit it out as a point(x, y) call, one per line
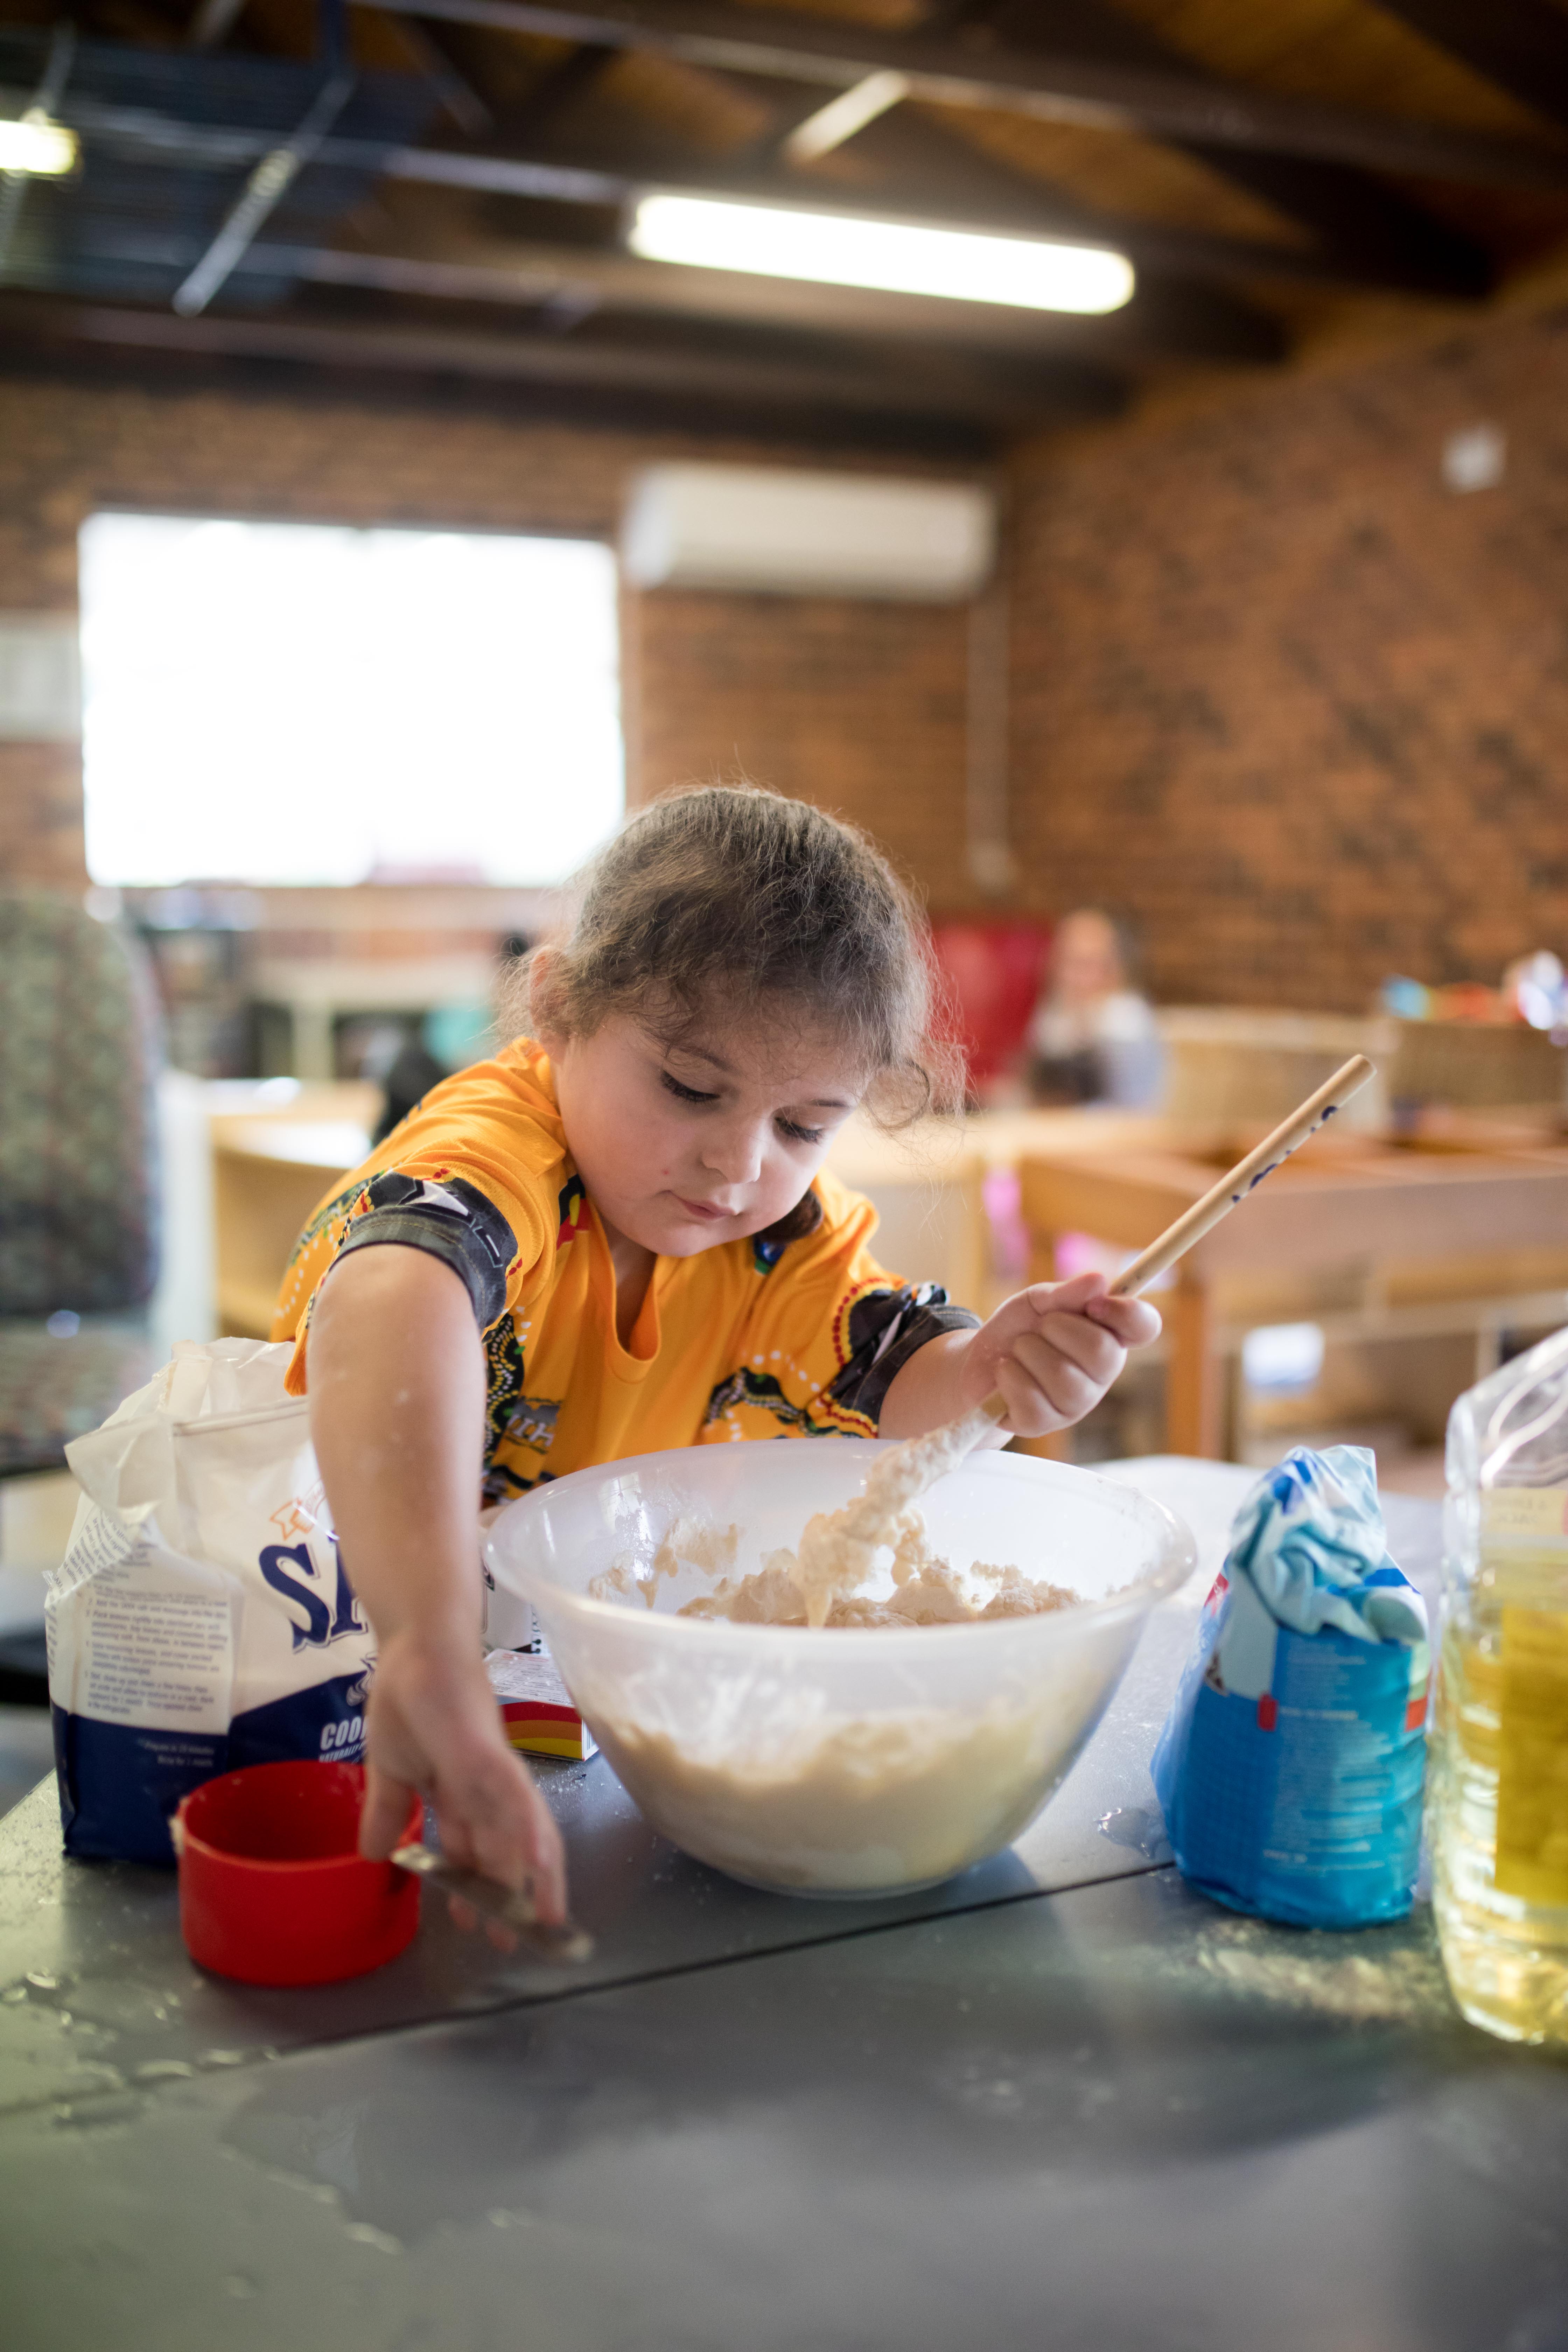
point(270, 1167)
point(1369, 1238)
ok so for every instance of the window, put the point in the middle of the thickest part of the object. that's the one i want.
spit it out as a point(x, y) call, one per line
point(297, 703)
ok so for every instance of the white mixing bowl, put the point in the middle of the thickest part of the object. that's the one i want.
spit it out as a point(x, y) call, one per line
point(866, 1762)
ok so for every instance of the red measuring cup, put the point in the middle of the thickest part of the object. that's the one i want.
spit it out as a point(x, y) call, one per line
point(273, 1888)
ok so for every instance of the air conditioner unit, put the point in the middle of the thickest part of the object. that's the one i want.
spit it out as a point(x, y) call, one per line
point(776, 531)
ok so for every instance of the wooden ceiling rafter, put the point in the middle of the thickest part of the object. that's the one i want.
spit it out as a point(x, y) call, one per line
point(1521, 45)
point(562, 84)
point(1372, 232)
point(943, 392)
point(955, 69)
point(1007, 201)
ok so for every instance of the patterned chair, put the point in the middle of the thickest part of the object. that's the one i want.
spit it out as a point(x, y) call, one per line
point(80, 1050)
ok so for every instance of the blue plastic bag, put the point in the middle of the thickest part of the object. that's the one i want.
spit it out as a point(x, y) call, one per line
point(1290, 1765)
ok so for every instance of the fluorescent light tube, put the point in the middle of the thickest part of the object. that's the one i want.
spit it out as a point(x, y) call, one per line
point(836, 249)
point(42, 149)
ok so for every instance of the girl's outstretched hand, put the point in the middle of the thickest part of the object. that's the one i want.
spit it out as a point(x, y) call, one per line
point(1053, 1350)
point(433, 1726)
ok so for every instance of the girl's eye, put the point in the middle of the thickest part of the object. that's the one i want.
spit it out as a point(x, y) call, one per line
point(684, 1094)
point(800, 1134)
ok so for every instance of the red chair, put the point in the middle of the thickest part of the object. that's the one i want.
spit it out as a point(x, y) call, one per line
point(994, 972)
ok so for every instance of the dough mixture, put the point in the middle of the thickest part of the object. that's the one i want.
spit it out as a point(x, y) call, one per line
point(889, 1801)
point(824, 1583)
point(926, 1589)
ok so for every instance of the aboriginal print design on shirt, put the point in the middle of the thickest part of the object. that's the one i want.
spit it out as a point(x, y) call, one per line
point(573, 1203)
point(796, 1332)
point(881, 1329)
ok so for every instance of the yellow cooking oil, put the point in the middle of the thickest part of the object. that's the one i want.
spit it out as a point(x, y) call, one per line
point(1497, 1778)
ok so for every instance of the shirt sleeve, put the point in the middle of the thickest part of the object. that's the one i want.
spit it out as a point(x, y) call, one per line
point(453, 1221)
point(465, 1177)
point(830, 1330)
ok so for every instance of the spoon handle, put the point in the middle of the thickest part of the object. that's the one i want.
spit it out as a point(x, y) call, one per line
point(1229, 1193)
point(1232, 1191)
point(510, 1908)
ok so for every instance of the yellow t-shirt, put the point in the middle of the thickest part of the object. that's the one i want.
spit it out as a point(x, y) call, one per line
point(752, 1338)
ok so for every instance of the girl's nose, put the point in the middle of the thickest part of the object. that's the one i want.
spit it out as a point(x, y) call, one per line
point(734, 1154)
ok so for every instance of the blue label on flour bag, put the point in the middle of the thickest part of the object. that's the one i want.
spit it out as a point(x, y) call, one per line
point(326, 1721)
point(1290, 1766)
point(119, 1782)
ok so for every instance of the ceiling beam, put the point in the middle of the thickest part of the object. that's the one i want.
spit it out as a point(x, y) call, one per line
point(950, 70)
point(212, 23)
point(1370, 232)
point(913, 393)
point(559, 88)
point(456, 93)
point(1521, 45)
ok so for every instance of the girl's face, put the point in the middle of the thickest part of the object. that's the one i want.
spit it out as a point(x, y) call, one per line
point(684, 1146)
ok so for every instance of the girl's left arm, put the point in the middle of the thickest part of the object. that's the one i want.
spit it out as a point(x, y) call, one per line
point(1053, 1350)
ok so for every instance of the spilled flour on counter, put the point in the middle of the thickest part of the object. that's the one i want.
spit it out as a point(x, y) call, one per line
point(1399, 1979)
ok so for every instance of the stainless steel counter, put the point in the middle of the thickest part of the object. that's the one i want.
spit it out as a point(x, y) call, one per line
point(1059, 2100)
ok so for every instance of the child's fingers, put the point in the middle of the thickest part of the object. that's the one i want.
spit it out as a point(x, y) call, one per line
point(1133, 1321)
point(515, 1837)
point(1060, 1345)
point(385, 1811)
point(1057, 1297)
point(464, 1916)
point(549, 1863)
point(1029, 1412)
point(1088, 1344)
point(1071, 1387)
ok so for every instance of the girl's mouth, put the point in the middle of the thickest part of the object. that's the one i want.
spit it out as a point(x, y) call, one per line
point(705, 1212)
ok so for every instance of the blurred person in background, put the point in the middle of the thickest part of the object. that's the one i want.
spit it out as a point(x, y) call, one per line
point(1093, 1038)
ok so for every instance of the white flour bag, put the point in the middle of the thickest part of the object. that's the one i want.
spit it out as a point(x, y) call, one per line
point(201, 1618)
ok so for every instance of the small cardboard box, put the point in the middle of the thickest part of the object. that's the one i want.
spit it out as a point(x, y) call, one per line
point(535, 1707)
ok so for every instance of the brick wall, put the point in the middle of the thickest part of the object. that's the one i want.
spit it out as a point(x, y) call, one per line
point(40, 816)
point(858, 705)
point(1296, 707)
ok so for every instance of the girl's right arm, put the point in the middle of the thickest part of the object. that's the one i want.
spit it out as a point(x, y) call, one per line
point(396, 1380)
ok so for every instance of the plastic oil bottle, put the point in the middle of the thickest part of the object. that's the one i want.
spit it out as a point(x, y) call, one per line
point(1498, 1779)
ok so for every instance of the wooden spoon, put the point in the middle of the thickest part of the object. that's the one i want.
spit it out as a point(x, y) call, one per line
point(940, 1450)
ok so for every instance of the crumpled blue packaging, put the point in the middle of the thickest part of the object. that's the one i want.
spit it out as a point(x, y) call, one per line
point(1290, 1765)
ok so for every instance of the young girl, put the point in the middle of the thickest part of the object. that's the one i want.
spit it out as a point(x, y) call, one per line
point(618, 1236)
